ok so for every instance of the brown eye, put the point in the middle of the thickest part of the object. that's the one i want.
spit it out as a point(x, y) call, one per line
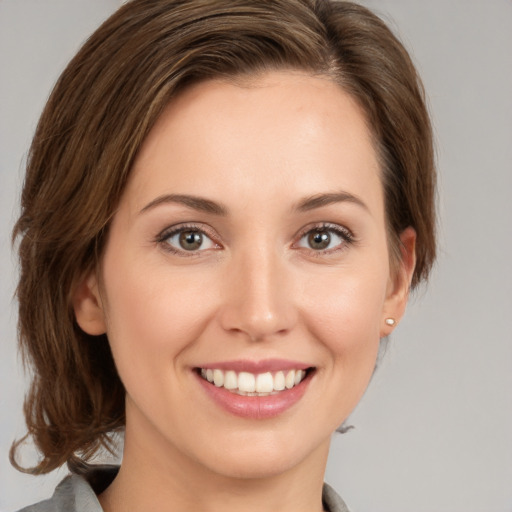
point(187, 240)
point(190, 240)
point(327, 238)
point(319, 239)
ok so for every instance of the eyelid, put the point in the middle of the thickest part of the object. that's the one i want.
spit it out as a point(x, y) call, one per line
point(169, 231)
point(342, 231)
point(346, 234)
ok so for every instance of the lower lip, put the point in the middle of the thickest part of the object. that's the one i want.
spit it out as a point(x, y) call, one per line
point(256, 407)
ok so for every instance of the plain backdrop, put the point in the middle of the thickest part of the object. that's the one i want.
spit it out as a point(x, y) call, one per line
point(434, 431)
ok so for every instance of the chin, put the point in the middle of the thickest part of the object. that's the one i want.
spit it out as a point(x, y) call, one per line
point(262, 457)
point(257, 467)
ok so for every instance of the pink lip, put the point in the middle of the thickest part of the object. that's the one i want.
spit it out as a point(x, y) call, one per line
point(255, 407)
point(265, 365)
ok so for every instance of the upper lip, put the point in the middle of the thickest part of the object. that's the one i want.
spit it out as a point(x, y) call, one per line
point(262, 366)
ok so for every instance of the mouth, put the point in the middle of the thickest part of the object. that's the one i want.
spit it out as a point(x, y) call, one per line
point(255, 390)
point(246, 383)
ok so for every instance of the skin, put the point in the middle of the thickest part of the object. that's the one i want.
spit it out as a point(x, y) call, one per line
point(257, 290)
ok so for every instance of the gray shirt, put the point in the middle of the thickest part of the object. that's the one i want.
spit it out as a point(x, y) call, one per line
point(79, 494)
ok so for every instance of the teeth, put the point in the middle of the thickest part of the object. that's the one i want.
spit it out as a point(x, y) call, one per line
point(218, 378)
point(230, 380)
point(279, 381)
point(245, 383)
point(290, 379)
point(264, 383)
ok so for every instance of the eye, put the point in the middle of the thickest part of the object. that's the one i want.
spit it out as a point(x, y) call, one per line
point(325, 238)
point(186, 239)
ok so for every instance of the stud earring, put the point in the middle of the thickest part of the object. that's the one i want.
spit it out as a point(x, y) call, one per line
point(390, 321)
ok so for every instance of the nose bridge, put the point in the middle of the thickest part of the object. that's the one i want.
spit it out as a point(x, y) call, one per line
point(258, 299)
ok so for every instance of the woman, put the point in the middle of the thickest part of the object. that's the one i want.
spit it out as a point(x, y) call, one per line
point(225, 207)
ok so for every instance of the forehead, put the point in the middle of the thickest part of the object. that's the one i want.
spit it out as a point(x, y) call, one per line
point(296, 131)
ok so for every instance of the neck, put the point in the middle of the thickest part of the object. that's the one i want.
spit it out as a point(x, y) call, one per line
point(148, 480)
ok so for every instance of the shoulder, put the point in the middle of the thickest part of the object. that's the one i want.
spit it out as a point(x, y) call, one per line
point(332, 501)
point(77, 493)
point(63, 499)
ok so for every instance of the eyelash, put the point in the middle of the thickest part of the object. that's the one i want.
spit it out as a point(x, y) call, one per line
point(345, 234)
point(163, 239)
point(326, 227)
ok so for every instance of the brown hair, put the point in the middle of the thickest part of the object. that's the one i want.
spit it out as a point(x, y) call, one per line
point(100, 111)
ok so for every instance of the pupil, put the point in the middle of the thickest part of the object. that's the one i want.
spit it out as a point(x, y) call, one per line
point(191, 240)
point(319, 239)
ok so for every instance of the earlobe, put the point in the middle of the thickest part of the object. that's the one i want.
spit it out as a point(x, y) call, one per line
point(400, 282)
point(88, 306)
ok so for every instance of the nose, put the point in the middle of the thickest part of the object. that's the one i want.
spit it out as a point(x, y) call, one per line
point(258, 299)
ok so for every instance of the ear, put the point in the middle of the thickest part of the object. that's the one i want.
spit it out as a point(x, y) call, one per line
point(399, 283)
point(88, 306)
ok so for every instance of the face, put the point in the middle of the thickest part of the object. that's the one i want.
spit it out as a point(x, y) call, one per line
point(246, 278)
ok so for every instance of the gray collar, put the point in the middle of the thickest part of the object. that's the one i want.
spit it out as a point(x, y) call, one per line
point(78, 493)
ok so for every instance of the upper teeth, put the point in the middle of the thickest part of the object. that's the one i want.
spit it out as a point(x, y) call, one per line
point(254, 384)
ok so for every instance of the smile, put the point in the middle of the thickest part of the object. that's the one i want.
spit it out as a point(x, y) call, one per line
point(251, 384)
point(255, 390)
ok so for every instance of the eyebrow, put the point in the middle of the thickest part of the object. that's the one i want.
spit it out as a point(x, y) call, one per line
point(319, 200)
point(194, 202)
point(209, 206)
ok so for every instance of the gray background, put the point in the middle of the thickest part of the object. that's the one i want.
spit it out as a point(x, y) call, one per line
point(434, 432)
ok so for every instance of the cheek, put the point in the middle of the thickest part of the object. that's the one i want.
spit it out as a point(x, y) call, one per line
point(346, 321)
point(345, 307)
point(153, 313)
point(345, 316)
